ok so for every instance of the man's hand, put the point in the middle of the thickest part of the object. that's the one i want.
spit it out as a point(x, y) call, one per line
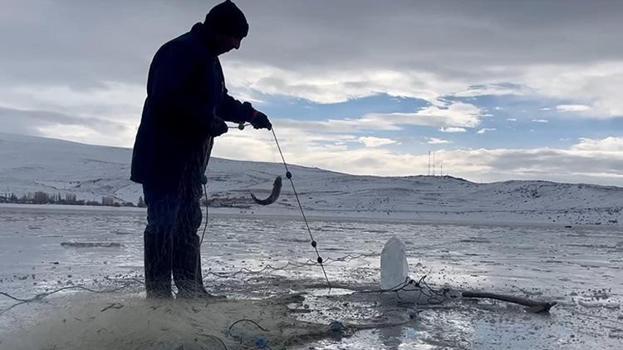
point(217, 127)
point(260, 121)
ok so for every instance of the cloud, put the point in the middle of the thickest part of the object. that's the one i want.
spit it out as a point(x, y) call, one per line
point(371, 141)
point(589, 160)
point(436, 141)
point(569, 165)
point(452, 130)
point(606, 145)
point(543, 121)
point(493, 89)
point(511, 119)
point(593, 85)
point(112, 100)
point(454, 115)
point(484, 130)
point(324, 85)
point(325, 56)
point(573, 108)
point(58, 125)
point(251, 145)
point(596, 85)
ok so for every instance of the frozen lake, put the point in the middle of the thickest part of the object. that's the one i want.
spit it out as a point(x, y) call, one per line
point(579, 267)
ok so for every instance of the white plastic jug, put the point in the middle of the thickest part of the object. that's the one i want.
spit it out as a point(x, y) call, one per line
point(394, 266)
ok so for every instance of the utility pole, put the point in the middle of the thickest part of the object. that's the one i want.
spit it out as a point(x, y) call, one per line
point(428, 163)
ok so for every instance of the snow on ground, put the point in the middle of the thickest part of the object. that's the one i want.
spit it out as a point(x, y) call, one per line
point(250, 257)
point(29, 164)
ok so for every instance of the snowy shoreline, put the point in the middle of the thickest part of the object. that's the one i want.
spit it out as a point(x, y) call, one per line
point(424, 218)
point(94, 173)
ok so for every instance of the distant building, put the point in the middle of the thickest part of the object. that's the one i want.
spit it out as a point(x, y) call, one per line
point(109, 201)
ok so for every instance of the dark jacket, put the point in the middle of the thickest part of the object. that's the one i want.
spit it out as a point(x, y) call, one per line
point(185, 90)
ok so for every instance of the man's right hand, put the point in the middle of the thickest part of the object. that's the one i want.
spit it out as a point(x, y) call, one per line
point(260, 121)
point(217, 127)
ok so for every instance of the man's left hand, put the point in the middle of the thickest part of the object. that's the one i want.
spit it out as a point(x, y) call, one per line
point(260, 121)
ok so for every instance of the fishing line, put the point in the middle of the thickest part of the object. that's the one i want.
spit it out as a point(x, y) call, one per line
point(314, 244)
point(205, 223)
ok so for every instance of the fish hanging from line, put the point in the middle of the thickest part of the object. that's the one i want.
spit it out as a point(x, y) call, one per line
point(274, 195)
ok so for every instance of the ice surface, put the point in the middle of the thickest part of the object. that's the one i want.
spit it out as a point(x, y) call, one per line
point(248, 257)
point(394, 266)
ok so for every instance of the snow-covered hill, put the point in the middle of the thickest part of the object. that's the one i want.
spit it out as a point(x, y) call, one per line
point(29, 164)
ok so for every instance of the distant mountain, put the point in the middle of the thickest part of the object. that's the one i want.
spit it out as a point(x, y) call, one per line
point(29, 164)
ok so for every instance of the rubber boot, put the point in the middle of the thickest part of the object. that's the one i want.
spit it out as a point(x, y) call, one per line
point(158, 257)
point(162, 209)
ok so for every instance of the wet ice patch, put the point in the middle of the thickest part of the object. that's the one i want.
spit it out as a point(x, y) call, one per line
point(91, 244)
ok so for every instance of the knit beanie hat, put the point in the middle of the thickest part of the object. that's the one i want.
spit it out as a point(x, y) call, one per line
point(226, 18)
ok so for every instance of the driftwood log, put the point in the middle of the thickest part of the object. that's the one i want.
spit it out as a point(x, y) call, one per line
point(533, 306)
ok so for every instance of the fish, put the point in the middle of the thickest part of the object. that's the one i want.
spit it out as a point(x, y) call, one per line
point(274, 195)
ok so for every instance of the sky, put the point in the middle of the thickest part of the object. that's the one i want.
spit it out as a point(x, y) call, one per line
point(493, 90)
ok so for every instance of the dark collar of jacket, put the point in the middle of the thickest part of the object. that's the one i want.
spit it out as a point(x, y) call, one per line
point(202, 33)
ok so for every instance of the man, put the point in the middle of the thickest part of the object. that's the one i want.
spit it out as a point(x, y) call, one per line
point(186, 107)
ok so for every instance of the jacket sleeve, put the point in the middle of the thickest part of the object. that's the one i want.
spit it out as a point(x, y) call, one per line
point(170, 91)
point(233, 110)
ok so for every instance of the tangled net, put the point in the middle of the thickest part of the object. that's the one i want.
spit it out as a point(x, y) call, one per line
point(274, 322)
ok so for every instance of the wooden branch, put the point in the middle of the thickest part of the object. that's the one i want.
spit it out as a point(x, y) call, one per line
point(533, 306)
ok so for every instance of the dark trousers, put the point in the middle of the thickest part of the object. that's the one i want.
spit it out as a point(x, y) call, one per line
point(172, 246)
